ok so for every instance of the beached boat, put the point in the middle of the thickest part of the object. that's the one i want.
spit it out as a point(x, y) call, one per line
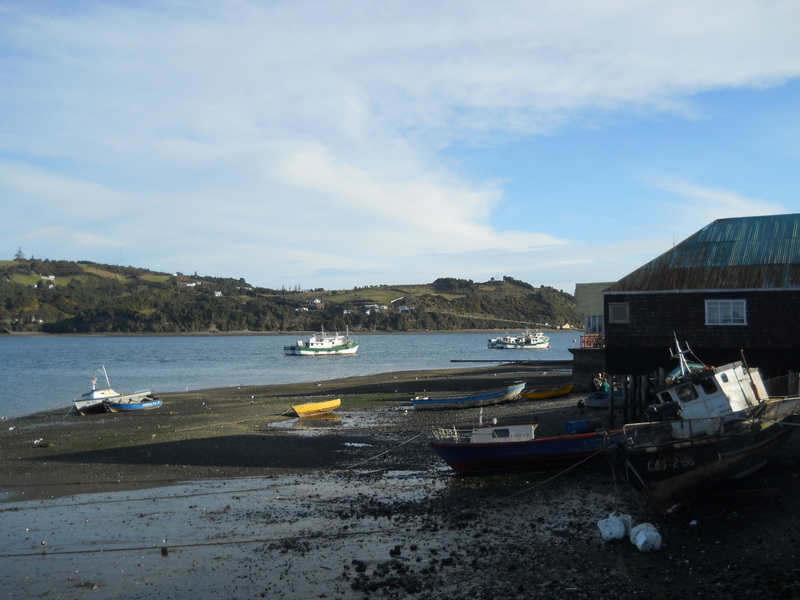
point(94, 401)
point(546, 391)
point(523, 341)
point(135, 401)
point(468, 400)
point(514, 447)
point(711, 424)
point(310, 409)
point(600, 399)
point(324, 344)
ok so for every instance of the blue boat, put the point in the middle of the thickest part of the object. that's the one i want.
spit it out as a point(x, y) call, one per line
point(146, 402)
point(501, 448)
point(470, 400)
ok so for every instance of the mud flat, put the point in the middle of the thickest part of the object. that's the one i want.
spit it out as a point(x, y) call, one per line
point(221, 493)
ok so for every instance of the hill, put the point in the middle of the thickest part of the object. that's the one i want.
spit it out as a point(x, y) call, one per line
point(85, 297)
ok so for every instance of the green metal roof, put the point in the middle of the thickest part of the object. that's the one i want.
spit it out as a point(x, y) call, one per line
point(741, 253)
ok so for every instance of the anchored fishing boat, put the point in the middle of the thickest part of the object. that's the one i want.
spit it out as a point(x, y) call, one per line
point(97, 399)
point(711, 424)
point(514, 447)
point(523, 341)
point(468, 400)
point(324, 344)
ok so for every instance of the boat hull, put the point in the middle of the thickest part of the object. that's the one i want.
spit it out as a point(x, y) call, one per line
point(542, 393)
point(558, 451)
point(148, 403)
point(671, 473)
point(341, 350)
point(475, 400)
point(314, 409)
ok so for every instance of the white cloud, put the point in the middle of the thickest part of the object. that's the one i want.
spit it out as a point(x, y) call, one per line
point(238, 134)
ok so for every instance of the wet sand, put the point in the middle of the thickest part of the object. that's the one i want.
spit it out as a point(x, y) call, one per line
point(221, 493)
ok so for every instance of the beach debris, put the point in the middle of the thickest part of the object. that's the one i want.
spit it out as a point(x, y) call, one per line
point(646, 537)
point(615, 527)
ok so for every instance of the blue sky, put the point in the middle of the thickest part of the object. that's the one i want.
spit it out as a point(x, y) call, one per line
point(341, 143)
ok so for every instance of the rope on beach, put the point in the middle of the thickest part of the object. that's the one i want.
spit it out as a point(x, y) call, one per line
point(167, 549)
point(353, 466)
point(557, 475)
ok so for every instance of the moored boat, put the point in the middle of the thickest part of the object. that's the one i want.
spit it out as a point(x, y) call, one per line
point(514, 447)
point(524, 341)
point(324, 344)
point(131, 402)
point(468, 400)
point(711, 424)
point(96, 399)
point(309, 409)
point(546, 391)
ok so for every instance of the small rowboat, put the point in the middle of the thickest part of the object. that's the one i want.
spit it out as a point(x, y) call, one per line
point(468, 400)
point(546, 391)
point(310, 409)
point(147, 402)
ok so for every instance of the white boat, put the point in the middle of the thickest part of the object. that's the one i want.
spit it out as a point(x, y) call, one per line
point(523, 341)
point(94, 400)
point(711, 424)
point(324, 344)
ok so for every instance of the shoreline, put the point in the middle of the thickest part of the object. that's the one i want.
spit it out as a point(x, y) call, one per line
point(219, 492)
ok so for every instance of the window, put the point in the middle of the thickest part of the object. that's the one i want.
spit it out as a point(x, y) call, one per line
point(726, 312)
point(618, 312)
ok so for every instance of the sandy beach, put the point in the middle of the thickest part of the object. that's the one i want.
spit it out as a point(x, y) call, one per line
point(222, 493)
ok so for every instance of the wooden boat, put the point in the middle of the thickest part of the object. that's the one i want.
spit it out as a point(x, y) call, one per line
point(600, 399)
point(133, 402)
point(546, 391)
point(523, 341)
point(670, 470)
point(94, 401)
point(515, 447)
point(312, 409)
point(324, 344)
point(710, 424)
point(470, 400)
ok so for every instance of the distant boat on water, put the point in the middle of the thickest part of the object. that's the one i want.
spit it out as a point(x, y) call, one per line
point(324, 344)
point(523, 341)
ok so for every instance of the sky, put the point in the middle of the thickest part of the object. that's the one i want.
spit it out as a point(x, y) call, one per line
point(341, 143)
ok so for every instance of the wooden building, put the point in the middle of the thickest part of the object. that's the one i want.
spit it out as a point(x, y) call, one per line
point(730, 290)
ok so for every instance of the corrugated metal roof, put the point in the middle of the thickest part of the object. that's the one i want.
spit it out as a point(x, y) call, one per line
point(741, 253)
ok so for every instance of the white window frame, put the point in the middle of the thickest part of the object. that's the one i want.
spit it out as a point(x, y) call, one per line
point(726, 312)
point(619, 312)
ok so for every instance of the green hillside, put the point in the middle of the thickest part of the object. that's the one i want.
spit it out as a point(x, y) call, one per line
point(85, 297)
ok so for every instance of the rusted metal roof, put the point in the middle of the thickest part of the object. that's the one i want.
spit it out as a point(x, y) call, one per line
point(741, 253)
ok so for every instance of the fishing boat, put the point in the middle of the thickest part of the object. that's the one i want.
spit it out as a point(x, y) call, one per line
point(324, 344)
point(468, 400)
point(546, 391)
point(523, 341)
point(710, 424)
point(94, 401)
point(133, 402)
point(514, 447)
point(314, 409)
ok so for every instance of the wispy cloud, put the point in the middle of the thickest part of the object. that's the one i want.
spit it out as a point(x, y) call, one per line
point(304, 139)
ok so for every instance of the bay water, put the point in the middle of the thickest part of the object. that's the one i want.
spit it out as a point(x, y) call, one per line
point(44, 373)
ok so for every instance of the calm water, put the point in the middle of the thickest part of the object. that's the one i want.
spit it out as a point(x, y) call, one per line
point(46, 373)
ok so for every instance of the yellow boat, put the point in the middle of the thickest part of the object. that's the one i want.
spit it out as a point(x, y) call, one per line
point(316, 408)
point(549, 391)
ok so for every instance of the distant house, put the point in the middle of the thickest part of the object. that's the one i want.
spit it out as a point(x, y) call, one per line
point(733, 286)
